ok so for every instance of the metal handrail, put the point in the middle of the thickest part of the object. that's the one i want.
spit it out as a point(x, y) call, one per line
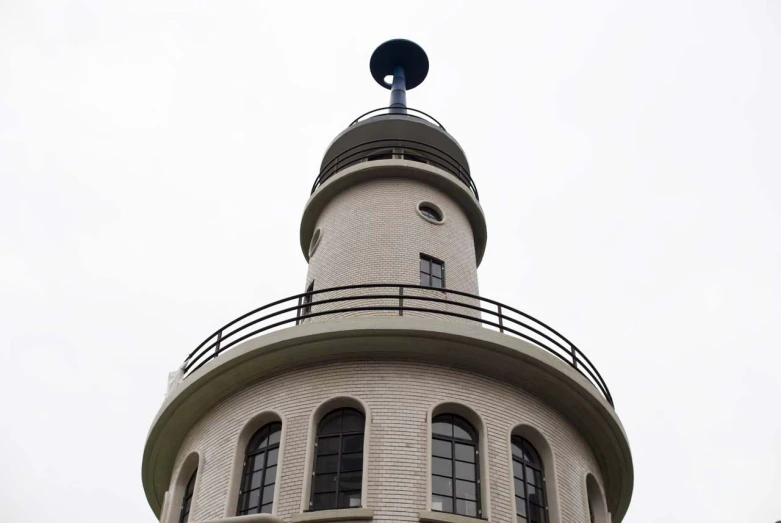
point(404, 149)
point(414, 113)
point(299, 307)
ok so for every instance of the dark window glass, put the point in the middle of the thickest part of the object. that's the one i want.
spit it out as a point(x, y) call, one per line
point(442, 449)
point(381, 156)
point(187, 499)
point(530, 502)
point(307, 300)
point(338, 473)
point(454, 466)
point(466, 508)
point(432, 272)
point(258, 480)
point(414, 157)
point(442, 503)
point(430, 213)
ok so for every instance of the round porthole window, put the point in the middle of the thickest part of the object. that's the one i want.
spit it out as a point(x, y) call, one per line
point(430, 212)
point(316, 237)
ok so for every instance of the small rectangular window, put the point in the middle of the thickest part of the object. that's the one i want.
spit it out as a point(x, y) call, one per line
point(307, 307)
point(432, 272)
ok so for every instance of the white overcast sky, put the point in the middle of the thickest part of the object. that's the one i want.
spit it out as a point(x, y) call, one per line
point(155, 158)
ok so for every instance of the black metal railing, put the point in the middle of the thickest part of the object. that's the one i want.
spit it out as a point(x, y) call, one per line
point(395, 149)
point(301, 308)
point(386, 111)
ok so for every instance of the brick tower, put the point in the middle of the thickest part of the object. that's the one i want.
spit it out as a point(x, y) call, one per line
point(388, 389)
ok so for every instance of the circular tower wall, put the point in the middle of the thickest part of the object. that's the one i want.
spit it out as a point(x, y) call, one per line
point(399, 399)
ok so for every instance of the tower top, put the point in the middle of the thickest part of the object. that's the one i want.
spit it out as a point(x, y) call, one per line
point(399, 53)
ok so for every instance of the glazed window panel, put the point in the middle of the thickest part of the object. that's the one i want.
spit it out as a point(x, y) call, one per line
point(338, 469)
point(455, 482)
point(307, 300)
point(259, 475)
point(187, 499)
point(530, 499)
point(432, 272)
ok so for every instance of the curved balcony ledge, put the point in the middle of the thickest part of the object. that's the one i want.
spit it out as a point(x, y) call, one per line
point(396, 298)
point(428, 516)
point(342, 514)
point(424, 139)
point(464, 345)
point(249, 518)
point(409, 112)
point(396, 148)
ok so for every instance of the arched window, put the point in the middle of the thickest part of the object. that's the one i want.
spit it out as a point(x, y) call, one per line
point(454, 466)
point(530, 502)
point(187, 499)
point(338, 464)
point(260, 471)
point(597, 511)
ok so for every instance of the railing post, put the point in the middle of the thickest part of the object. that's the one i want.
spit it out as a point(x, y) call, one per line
point(298, 311)
point(574, 356)
point(217, 346)
point(501, 324)
point(401, 300)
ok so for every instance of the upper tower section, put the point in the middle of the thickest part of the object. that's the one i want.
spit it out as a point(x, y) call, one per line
point(424, 162)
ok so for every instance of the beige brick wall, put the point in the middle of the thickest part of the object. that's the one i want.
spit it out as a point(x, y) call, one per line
point(373, 233)
point(400, 396)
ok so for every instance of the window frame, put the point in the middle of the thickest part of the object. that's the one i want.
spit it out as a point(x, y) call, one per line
point(187, 498)
point(306, 300)
point(341, 434)
point(242, 508)
point(431, 261)
point(476, 464)
point(539, 467)
point(595, 499)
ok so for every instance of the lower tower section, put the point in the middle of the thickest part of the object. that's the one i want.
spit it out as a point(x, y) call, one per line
point(403, 379)
point(398, 401)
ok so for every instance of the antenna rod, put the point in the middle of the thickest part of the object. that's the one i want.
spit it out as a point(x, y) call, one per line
point(398, 97)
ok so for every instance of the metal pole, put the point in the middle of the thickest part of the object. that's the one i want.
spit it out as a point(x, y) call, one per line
point(401, 301)
point(398, 98)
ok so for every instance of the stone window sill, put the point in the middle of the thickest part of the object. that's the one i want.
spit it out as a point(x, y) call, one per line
point(249, 518)
point(429, 516)
point(342, 514)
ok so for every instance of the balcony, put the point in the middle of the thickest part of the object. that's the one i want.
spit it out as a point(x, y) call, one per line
point(381, 135)
point(390, 299)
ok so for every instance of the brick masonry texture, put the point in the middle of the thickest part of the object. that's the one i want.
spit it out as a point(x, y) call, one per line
point(373, 233)
point(399, 396)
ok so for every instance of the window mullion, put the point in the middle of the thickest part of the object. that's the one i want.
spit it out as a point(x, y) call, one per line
point(262, 479)
point(453, 471)
point(338, 469)
point(526, 489)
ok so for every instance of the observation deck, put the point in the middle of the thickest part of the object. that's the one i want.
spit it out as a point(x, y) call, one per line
point(381, 134)
point(394, 299)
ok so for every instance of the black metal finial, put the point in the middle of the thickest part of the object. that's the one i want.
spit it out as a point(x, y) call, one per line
point(407, 62)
